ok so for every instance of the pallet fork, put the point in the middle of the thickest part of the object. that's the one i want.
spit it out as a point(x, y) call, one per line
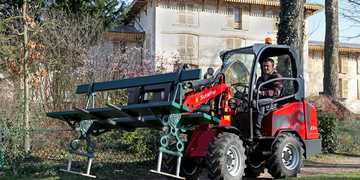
point(164, 111)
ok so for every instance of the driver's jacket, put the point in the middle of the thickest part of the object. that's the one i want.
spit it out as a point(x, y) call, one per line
point(272, 89)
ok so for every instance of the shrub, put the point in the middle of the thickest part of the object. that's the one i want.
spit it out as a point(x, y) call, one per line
point(327, 130)
point(349, 137)
point(141, 141)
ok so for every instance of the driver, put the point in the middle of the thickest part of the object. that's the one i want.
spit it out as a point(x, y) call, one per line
point(272, 89)
point(269, 90)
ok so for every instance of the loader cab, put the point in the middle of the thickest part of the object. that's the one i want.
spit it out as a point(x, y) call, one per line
point(242, 69)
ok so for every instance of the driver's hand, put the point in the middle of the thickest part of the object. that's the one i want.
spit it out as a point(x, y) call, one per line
point(261, 93)
point(234, 103)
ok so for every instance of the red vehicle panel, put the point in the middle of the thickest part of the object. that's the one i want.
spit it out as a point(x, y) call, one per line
point(199, 142)
point(299, 116)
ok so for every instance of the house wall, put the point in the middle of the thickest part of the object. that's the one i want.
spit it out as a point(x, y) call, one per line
point(211, 30)
point(349, 91)
point(145, 21)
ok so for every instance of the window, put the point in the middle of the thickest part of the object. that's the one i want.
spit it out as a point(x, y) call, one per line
point(318, 55)
point(256, 10)
point(358, 64)
point(187, 15)
point(235, 18)
point(343, 88)
point(229, 19)
point(343, 63)
point(119, 46)
point(233, 43)
point(269, 11)
point(188, 46)
point(358, 89)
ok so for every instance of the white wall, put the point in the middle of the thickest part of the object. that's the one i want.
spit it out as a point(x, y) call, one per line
point(211, 31)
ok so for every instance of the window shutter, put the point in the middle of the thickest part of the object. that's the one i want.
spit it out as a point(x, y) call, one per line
point(340, 67)
point(237, 43)
point(189, 46)
point(237, 18)
point(343, 64)
point(190, 18)
point(345, 87)
point(229, 19)
point(182, 18)
point(195, 41)
point(344, 67)
point(229, 43)
point(340, 85)
point(181, 45)
point(358, 89)
point(245, 15)
point(229, 22)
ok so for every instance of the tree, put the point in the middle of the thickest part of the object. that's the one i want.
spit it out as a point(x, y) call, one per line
point(291, 26)
point(331, 48)
point(18, 52)
point(291, 31)
point(108, 10)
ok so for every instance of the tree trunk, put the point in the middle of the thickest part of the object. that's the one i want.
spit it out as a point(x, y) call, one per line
point(291, 26)
point(331, 48)
point(26, 81)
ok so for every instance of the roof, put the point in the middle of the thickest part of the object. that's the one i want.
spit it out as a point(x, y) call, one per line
point(125, 32)
point(308, 6)
point(125, 29)
point(343, 47)
point(136, 5)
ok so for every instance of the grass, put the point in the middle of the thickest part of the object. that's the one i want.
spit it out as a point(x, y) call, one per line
point(335, 176)
point(348, 137)
point(113, 165)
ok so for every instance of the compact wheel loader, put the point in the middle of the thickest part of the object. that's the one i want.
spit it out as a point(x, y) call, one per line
point(208, 124)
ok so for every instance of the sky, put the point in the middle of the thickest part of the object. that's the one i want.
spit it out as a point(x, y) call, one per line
point(317, 25)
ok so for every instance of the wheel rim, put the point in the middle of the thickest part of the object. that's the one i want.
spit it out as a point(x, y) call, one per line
point(290, 156)
point(233, 161)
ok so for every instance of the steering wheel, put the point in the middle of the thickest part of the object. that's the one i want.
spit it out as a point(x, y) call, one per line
point(241, 93)
point(242, 88)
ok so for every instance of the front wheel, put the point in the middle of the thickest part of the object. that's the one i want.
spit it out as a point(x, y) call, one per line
point(226, 157)
point(287, 157)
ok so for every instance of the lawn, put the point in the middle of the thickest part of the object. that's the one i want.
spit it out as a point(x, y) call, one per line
point(112, 165)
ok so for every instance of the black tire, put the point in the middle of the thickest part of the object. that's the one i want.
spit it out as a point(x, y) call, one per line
point(254, 169)
point(226, 157)
point(190, 169)
point(287, 156)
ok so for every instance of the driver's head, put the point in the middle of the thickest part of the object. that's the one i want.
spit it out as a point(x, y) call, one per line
point(268, 66)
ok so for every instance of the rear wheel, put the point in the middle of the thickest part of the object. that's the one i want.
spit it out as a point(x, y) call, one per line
point(226, 157)
point(287, 157)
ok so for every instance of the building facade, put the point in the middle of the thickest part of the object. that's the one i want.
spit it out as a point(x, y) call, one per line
point(196, 31)
point(348, 73)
